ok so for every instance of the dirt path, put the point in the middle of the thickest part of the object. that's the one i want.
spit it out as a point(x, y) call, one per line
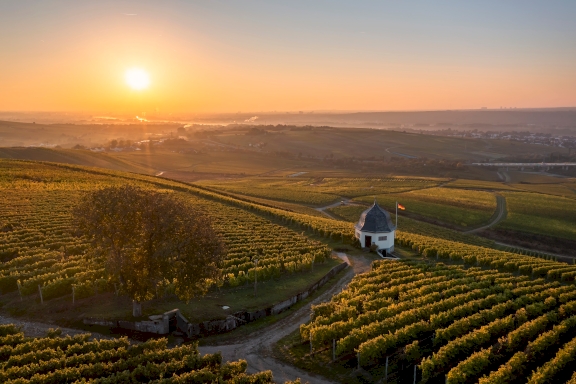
point(344, 200)
point(257, 348)
point(500, 214)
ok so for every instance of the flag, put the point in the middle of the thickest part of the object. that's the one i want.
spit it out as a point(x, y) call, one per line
point(401, 207)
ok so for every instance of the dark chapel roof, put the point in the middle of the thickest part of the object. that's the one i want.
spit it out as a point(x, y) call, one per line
point(375, 219)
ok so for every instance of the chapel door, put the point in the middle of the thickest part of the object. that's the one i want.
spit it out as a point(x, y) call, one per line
point(368, 241)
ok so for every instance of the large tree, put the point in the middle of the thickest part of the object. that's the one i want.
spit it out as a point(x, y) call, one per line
point(148, 237)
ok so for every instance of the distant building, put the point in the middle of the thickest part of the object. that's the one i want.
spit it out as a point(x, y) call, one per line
point(375, 227)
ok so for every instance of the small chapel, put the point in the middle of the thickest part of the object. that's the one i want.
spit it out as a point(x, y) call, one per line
point(375, 227)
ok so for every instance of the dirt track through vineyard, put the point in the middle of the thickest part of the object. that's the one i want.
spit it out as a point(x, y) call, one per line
point(257, 348)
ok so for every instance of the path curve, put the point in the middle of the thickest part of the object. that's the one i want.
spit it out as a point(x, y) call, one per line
point(343, 201)
point(500, 214)
point(256, 348)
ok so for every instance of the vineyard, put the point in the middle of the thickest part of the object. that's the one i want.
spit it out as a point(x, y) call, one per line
point(57, 359)
point(456, 323)
point(39, 253)
point(465, 208)
point(320, 191)
point(351, 213)
point(541, 214)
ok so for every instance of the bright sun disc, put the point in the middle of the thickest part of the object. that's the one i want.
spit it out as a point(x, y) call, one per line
point(137, 79)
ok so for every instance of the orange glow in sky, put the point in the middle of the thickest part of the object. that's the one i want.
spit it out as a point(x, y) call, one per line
point(203, 57)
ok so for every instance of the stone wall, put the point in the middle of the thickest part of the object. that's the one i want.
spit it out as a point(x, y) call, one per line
point(160, 324)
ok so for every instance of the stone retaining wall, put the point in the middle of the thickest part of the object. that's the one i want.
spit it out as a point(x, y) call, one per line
point(160, 324)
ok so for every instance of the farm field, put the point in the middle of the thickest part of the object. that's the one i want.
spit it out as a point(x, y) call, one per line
point(464, 208)
point(37, 248)
point(59, 359)
point(76, 157)
point(392, 311)
point(295, 190)
point(319, 191)
point(351, 213)
point(358, 142)
point(542, 214)
point(478, 184)
point(456, 323)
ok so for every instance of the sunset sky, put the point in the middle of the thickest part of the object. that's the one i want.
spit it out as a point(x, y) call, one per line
point(229, 56)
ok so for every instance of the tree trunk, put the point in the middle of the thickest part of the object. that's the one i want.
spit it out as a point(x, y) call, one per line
point(136, 308)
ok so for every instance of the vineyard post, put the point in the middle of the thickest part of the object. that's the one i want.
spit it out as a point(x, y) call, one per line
point(333, 349)
point(386, 371)
point(255, 276)
point(20, 290)
point(73, 295)
point(415, 367)
point(115, 290)
point(40, 291)
point(358, 358)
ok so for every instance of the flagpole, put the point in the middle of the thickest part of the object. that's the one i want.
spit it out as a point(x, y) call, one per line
point(396, 215)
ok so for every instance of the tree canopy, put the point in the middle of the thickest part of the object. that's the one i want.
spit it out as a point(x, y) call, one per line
point(149, 237)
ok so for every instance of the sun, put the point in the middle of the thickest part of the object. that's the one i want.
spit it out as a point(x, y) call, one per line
point(137, 79)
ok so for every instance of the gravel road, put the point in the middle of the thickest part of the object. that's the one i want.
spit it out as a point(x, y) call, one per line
point(256, 349)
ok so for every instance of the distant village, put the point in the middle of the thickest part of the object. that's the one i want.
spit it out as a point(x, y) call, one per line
point(538, 138)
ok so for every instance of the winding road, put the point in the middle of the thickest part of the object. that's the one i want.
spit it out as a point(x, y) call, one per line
point(499, 215)
point(256, 348)
point(336, 204)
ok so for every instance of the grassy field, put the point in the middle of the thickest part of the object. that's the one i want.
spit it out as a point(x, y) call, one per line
point(541, 214)
point(478, 184)
point(464, 208)
point(321, 190)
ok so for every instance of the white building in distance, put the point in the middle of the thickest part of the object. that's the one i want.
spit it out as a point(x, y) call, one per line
point(375, 227)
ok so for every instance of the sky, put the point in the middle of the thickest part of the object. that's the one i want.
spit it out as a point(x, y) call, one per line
point(227, 56)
